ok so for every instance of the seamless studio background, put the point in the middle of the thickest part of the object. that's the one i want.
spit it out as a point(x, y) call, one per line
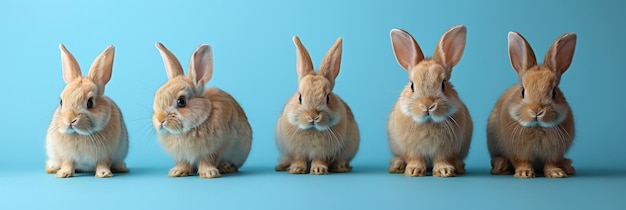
point(254, 60)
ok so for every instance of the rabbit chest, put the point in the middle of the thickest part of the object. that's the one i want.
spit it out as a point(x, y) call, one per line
point(424, 139)
point(433, 139)
point(313, 143)
point(538, 142)
point(86, 151)
point(192, 146)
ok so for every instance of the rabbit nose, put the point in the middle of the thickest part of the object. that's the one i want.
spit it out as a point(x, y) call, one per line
point(160, 117)
point(318, 118)
point(541, 113)
point(71, 124)
point(537, 113)
point(314, 118)
point(429, 108)
point(432, 107)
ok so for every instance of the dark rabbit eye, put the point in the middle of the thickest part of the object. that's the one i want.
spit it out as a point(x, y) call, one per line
point(89, 103)
point(61, 102)
point(181, 102)
point(412, 87)
point(523, 92)
point(300, 99)
point(553, 93)
point(443, 85)
point(328, 99)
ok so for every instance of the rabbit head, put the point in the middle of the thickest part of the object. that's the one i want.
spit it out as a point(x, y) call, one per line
point(539, 101)
point(179, 105)
point(83, 108)
point(429, 96)
point(315, 105)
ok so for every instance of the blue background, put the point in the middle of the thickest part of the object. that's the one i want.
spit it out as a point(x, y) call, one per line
point(255, 61)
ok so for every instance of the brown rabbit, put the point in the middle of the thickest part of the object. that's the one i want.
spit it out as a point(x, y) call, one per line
point(429, 123)
point(87, 132)
point(316, 126)
point(532, 124)
point(200, 128)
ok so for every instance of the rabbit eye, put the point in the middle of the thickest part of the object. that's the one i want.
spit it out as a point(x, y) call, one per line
point(553, 93)
point(443, 85)
point(328, 99)
point(89, 103)
point(412, 87)
point(523, 90)
point(61, 102)
point(181, 102)
point(300, 99)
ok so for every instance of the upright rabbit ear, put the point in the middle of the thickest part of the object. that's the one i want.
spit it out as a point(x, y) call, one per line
point(201, 65)
point(332, 62)
point(304, 66)
point(561, 53)
point(101, 68)
point(521, 54)
point(408, 53)
point(451, 46)
point(172, 65)
point(69, 65)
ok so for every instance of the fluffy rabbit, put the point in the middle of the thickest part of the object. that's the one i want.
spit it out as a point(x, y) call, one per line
point(316, 127)
point(532, 124)
point(203, 129)
point(429, 124)
point(87, 132)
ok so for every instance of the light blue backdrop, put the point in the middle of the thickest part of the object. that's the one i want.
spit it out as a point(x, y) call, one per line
point(255, 61)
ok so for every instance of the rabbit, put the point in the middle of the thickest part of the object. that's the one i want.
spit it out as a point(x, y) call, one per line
point(316, 127)
point(205, 130)
point(87, 132)
point(429, 125)
point(532, 125)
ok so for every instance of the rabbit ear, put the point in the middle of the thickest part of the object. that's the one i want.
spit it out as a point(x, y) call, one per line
point(408, 53)
point(201, 65)
point(304, 66)
point(560, 54)
point(172, 65)
point(69, 65)
point(521, 54)
point(451, 46)
point(332, 62)
point(101, 68)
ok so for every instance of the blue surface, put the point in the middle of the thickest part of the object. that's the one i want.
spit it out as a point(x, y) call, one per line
point(255, 62)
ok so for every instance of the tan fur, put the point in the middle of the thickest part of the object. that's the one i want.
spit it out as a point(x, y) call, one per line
point(535, 130)
point(316, 131)
point(211, 132)
point(429, 124)
point(81, 138)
